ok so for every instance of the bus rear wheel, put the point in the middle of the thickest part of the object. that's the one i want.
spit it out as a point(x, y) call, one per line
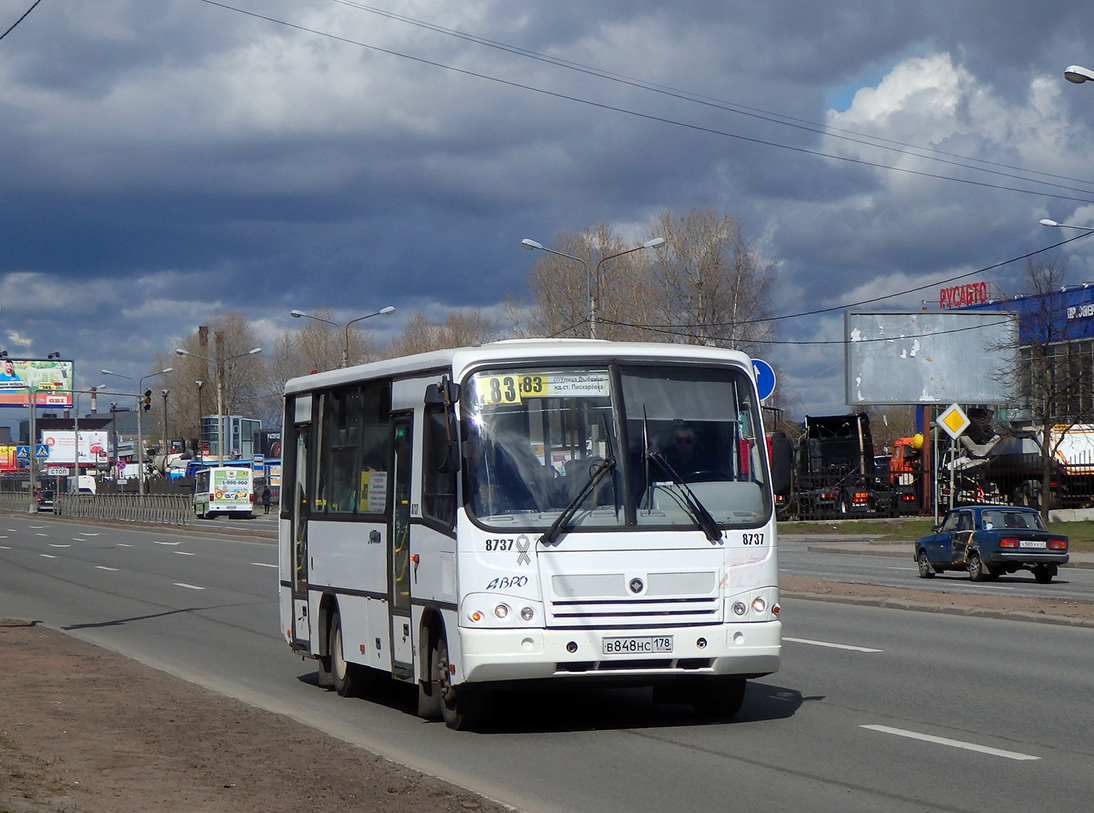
point(463, 708)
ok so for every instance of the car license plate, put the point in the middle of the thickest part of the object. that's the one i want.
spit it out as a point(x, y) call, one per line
point(1032, 543)
point(637, 645)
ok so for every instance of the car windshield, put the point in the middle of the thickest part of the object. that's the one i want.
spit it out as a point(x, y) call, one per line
point(659, 446)
point(1013, 520)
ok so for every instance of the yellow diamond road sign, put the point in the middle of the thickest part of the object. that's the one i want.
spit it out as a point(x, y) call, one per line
point(954, 421)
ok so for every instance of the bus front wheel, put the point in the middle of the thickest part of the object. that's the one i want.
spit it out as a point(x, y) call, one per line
point(343, 673)
point(463, 708)
point(718, 698)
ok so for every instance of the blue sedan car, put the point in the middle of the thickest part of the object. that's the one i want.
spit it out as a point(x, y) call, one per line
point(990, 540)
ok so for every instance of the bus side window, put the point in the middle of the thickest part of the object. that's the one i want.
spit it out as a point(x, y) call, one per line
point(438, 482)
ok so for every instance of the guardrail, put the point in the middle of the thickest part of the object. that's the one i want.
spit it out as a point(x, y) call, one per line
point(160, 509)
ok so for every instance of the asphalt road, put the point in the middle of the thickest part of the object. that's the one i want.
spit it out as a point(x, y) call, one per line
point(874, 709)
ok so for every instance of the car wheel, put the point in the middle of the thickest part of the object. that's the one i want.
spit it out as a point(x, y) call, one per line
point(1044, 573)
point(975, 567)
point(925, 569)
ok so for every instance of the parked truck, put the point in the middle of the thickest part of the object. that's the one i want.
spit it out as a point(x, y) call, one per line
point(833, 472)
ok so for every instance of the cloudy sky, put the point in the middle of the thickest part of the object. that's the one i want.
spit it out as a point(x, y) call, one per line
point(166, 160)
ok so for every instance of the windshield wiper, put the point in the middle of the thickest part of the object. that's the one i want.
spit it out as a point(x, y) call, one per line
point(550, 536)
point(699, 513)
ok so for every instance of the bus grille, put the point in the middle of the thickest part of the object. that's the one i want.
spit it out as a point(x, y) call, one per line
point(609, 600)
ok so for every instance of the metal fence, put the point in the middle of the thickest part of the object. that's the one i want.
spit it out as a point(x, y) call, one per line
point(159, 509)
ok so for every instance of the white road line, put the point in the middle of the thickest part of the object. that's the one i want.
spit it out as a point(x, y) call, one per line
point(262, 564)
point(183, 553)
point(831, 645)
point(968, 746)
point(188, 586)
point(47, 555)
point(161, 542)
point(58, 545)
point(4, 547)
point(124, 545)
point(104, 567)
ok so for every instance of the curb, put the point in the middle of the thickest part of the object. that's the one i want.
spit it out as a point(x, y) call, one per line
point(952, 609)
point(904, 552)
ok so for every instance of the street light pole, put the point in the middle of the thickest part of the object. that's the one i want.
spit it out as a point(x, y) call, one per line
point(140, 434)
point(532, 245)
point(654, 243)
point(592, 293)
point(298, 314)
point(220, 390)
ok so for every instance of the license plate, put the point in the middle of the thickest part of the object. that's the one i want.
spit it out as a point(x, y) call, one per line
point(1032, 543)
point(637, 645)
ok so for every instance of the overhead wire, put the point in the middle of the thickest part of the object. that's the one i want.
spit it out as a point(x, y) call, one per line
point(666, 120)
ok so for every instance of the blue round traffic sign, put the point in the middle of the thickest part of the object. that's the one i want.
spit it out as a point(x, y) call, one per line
point(765, 378)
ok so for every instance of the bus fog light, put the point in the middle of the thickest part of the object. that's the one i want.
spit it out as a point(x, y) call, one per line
point(571, 647)
point(701, 643)
point(527, 613)
point(739, 608)
point(758, 605)
point(501, 611)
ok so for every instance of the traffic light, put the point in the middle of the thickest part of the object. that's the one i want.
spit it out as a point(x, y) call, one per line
point(147, 400)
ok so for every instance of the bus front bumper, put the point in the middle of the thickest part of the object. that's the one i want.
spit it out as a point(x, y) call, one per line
point(746, 649)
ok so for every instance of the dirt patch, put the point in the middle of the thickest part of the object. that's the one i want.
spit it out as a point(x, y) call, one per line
point(86, 729)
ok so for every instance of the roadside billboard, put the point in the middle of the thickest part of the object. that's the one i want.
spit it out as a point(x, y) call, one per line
point(49, 380)
point(93, 447)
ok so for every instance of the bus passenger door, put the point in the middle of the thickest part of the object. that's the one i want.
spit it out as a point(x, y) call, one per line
point(303, 627)
point(399, 536)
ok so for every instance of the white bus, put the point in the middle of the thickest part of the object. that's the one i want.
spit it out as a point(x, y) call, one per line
point(227, 490)
point(472, 519)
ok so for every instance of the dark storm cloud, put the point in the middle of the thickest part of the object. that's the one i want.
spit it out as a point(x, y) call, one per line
point(167, 160)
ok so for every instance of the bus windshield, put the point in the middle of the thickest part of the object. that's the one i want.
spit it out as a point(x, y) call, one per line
point(628, 445)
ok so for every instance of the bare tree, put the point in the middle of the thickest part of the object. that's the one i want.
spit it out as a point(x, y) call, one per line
point(461, 329)
point(1054, 375)
point(715, 289)
point(243, 382)
point(706, 286)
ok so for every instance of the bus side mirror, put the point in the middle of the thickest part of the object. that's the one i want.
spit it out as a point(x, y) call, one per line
point(446, 392)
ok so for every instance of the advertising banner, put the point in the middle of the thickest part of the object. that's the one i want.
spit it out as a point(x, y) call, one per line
point(93, 446)
point(48, 381)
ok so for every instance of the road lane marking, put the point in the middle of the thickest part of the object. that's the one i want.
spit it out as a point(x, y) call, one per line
point(968, 746)
point(58, 545)
point(160, 542)
point(104, 567)
point(831, 645)
point(4, 547)
point(47, 555)
point(124, 545)
point(183, 553)
point(188, 586)
point(263, 564)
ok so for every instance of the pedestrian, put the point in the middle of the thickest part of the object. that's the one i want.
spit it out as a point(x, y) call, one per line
point(266, 500)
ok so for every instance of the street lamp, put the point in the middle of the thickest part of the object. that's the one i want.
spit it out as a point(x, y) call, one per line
point(298, 314)
point(592, 294)
point(1078, 74)
point(1055, 225)
point(654, 243)
point(140, 434)
point(220, 390)
point(532, 245)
